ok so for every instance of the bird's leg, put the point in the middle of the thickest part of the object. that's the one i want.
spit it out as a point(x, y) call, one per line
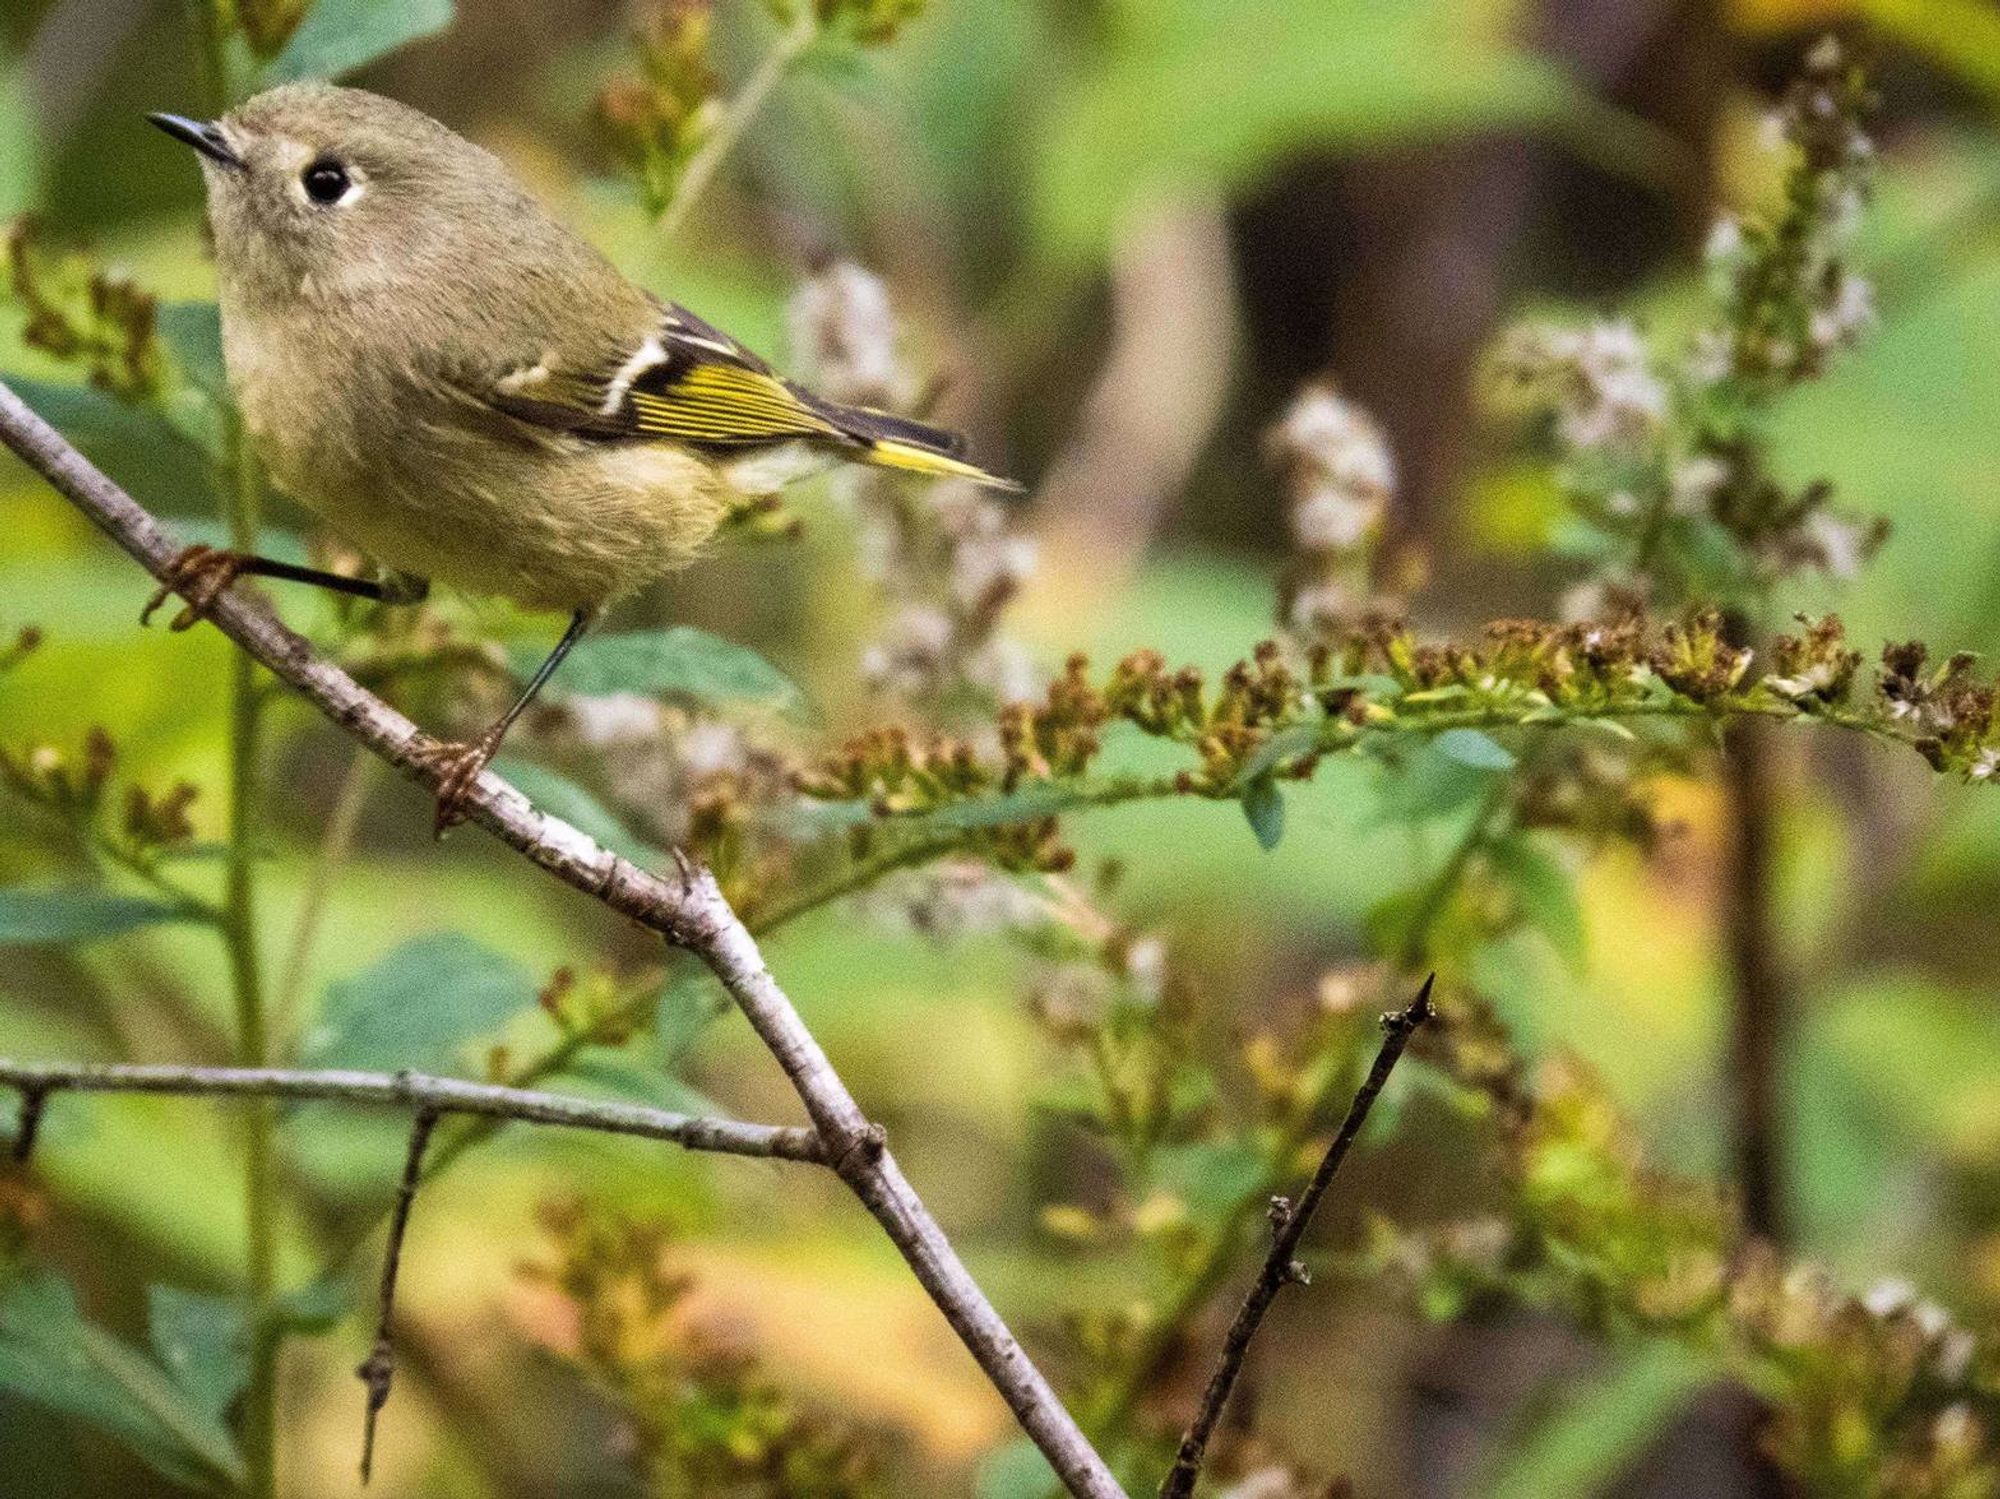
point(457, 766)
point(201, 573)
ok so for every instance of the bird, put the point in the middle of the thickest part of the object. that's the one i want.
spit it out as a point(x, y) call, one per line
point(471, 394)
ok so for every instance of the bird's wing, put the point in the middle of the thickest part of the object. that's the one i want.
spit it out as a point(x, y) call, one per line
point(684, 381)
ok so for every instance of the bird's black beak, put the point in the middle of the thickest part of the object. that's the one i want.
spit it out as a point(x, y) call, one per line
point(206, 138)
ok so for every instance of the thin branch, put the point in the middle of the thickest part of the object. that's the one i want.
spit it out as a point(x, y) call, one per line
point(425, 1094)
point(1289, 1222)
point(708, 157)
point(1210, 1264)
point(34, 1098)
point(378, 1370)
point(689, 911)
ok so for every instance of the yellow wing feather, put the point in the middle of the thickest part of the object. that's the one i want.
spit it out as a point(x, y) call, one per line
point(887, 454)
point(728, 403)
point(702, 388)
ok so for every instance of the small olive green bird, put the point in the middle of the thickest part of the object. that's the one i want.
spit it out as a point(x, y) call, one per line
point(470, 393)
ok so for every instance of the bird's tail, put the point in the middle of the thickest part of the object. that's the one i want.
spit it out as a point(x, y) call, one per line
point(897, 442)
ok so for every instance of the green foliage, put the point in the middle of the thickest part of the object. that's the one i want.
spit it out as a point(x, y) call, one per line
point(135, 445)
point(681, 662)
point(20, 145)
point(418, 1007)
point(635, 1079)
point(1437, 802)
point(1962, 34)
point(1165, 115)
point(703, 1418)
point(29, 917)
point(1470, 747)
point(1599, 1423)
point(1016, 1470)
point(52, 1355)
point(1546, 893)
point(202, 1343)
point(1264, 810)
point(1424, 782)
point(338, 36)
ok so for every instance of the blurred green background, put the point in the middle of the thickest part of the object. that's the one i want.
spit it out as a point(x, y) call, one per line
point(1122, 232)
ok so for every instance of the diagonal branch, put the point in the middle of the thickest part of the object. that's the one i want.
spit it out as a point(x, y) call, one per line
point(689, 911)
point(1289, 1222)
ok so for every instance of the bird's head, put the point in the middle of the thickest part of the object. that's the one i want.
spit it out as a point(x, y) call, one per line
point(319, 194)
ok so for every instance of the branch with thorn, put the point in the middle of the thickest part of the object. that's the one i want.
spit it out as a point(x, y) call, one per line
point(1282, 1267)
point(687, 910)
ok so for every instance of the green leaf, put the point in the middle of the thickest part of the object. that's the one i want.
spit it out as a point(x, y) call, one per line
point(28, 917)
point(556, 793)
point(622, 1077)
point(52, 1356)
point(418, 1007)
point(136, 445)
point(1330, 74)
point(318, 1305)
point(1598, 1423)
point(1425, 783)
point(201, 1340)
point(1916, 1054)
point(1294, 740)
point(20, 142)
point(193, 330)
point(1264, 809)
point(1016, 1471)
point(690, 1002)
point(1547, 897)
point(1210, 1176)
point(1470, 747)
point(338, 36)
point(681, 662)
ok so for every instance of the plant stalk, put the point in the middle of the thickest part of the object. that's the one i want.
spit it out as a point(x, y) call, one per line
point(253, 1039)
point(707, 160)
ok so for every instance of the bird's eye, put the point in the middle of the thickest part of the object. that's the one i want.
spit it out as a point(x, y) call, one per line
point(326, 181)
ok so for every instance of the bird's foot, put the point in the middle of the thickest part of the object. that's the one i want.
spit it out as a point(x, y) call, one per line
point(198, 574)
point(457, 766)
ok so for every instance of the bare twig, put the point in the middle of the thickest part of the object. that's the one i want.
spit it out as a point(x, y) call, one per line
point(425, 1094)
point(34, 1098)
point(1210, 1264)
point(378, 1370)
point(1289, 1222)
point(689, 911)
